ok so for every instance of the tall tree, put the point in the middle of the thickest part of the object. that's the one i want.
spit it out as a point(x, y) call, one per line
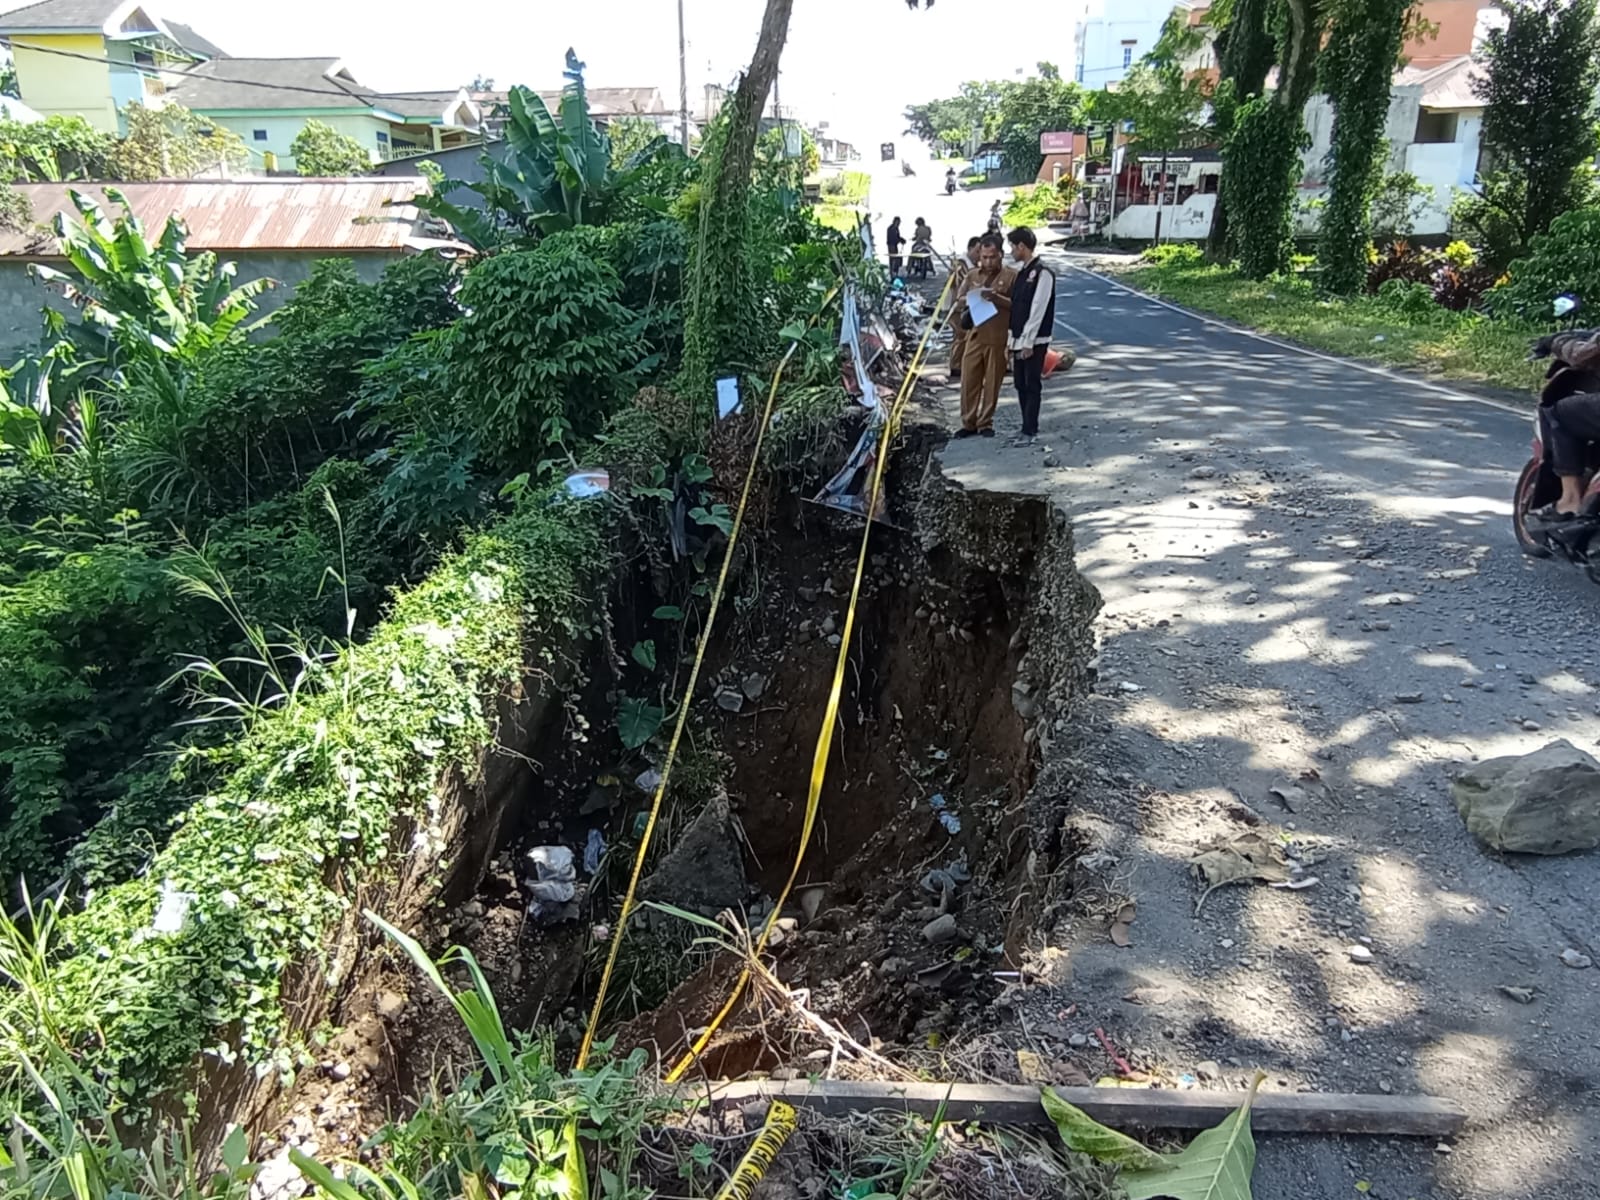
point(1357, 68)
point(1042, 104)
point(171, 142)
point(721, 293)
point(1245, 54)
point(1261, 161)
point(321, 150)
point(1538, 84)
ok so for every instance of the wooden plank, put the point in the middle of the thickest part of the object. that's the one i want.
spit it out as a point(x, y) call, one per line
point(1120, 1108)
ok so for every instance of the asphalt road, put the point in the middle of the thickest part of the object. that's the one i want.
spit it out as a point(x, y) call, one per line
point(1311, 582)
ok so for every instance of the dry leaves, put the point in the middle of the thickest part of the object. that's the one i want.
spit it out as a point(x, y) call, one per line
point(1246, 858)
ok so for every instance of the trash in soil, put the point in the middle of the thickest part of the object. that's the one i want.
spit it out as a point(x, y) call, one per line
point(172, 914)
point(648, 781)
point(1120, 935)
point(553, 889)
point(1576, 959)
point(951, 823)
point(593, 851)
point(1297, 885)
point(584, 484)
point(1246, 858)
point(1522, 995)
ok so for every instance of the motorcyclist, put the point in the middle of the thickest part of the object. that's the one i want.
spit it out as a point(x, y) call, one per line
point(994, 217)
point(905, 168)
point(1568, 425)
point(950, 181)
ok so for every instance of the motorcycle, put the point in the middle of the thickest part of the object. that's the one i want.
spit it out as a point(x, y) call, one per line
point(905, 168)
point(949, 185)
point(1537, 486)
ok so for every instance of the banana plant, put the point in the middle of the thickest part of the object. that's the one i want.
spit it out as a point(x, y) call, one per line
point(141, 299)
point(556, 172)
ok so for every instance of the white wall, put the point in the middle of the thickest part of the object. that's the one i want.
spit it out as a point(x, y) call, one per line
point(1189, 221)
point(1104, 30)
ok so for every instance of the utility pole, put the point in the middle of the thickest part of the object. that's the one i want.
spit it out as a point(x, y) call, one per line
point(683, 83)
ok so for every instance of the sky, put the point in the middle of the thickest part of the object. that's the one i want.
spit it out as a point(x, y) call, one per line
point(856, 64)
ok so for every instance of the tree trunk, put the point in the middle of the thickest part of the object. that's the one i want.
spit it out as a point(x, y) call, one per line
point(721, 317)
point(1245, 53)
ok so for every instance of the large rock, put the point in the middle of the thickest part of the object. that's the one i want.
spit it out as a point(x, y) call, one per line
point(1547, 802)
point(705, 869)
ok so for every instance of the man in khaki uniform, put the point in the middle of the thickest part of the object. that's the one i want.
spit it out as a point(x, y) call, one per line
point(959, 267)
point(983, 363)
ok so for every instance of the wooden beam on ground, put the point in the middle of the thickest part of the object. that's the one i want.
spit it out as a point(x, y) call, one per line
point(1120, 1108)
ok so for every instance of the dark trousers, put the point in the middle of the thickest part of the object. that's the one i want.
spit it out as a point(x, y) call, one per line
point(894, 264)
point(1568, 426)
point(1028, 373)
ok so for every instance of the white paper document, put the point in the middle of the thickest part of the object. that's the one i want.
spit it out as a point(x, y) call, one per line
point(981, 309)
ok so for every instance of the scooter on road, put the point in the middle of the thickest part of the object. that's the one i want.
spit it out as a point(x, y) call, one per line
point(1574, 540)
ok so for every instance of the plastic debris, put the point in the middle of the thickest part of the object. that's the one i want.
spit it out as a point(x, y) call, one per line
point(936, 801)
point(172, 914)
point(727, 397)
point(648, 781)
point(951, 822)
point(584, 484)
point(593, 851)
point(554, 887)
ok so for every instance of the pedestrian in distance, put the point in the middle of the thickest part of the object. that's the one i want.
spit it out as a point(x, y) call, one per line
point(1033, 322)
point(983, 363)
point(894, 239)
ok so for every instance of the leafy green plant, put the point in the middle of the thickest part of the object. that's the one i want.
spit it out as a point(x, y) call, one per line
point(1564, 260)
point(556, 172)
point(54, 149)
point(304, 801)
point(170, 142)
point(544, 335)
point(320, 149)
point(145, 300)
point(1217, 1165)
point(1174, 254)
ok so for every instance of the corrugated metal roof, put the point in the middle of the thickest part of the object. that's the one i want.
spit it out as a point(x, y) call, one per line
point(335, 215)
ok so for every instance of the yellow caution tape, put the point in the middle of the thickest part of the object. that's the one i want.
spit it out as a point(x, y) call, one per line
point(629, 901)
point(819, 758)
point(752, 1168)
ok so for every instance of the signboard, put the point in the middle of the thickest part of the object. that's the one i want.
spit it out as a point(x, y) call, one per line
point(886, 151)
point(1055, 143)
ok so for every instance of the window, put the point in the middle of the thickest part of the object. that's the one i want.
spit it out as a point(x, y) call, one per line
point(1435, 127)
point(383, 138)
point(259, 135)
point(1127, 56)
point(1080, 72)
point(144, 58)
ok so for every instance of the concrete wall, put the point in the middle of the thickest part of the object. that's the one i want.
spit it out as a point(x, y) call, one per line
point(22, 299)
point(53, 83)
point(1189, 221)
point(461, 163)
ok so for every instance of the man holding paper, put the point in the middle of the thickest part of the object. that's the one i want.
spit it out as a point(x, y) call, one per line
point(984, 310)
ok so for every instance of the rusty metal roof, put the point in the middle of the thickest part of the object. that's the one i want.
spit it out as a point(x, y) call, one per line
point(334, 215)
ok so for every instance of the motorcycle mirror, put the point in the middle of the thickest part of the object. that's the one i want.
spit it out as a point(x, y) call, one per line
point(1565, 305)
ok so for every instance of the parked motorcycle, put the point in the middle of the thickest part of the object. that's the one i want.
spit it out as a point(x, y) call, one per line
point(1537, 486)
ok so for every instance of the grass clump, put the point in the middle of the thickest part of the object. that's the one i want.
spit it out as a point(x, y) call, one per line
point(1386, 328)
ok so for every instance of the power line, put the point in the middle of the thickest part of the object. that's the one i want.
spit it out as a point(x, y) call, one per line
point(155, 72)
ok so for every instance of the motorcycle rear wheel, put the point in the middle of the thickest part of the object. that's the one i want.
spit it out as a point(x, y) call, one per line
point(1531, 543)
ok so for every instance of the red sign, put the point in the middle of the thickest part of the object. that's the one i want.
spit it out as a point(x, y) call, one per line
point(1055, 143)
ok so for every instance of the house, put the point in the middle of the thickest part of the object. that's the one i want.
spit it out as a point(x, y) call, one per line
point(267, 102)
point(92, 58)
point(270, 228)
point(1112, 35)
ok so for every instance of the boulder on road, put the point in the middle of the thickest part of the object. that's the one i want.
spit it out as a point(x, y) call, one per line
point(1547, 802)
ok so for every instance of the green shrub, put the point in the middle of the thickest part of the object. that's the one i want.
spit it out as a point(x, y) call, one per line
point(1565, 260)
point(304, 811)
point(1408, 298)
point(1174, 254)
point(544, 338)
